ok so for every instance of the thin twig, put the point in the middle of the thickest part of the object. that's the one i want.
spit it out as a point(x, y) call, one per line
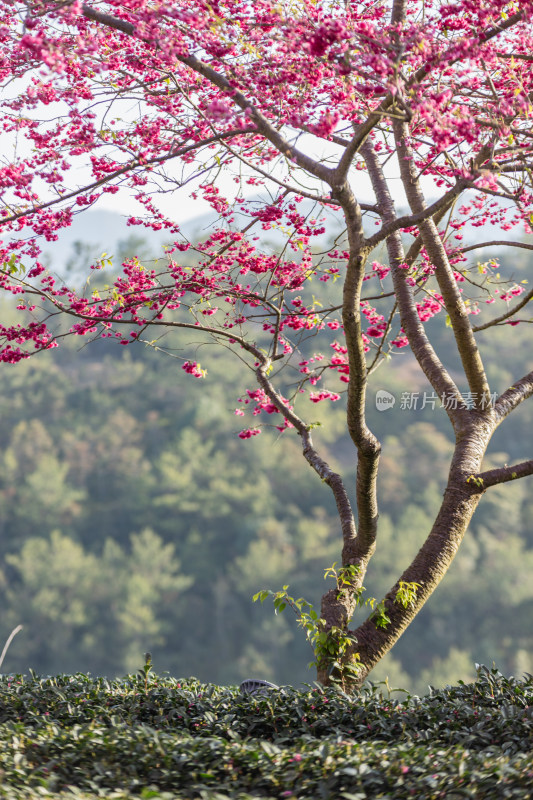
point(9, 640)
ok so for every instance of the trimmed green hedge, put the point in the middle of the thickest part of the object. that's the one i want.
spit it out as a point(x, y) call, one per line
point(74, 736)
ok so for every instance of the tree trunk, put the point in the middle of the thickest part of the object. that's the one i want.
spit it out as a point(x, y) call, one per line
point(372, 643)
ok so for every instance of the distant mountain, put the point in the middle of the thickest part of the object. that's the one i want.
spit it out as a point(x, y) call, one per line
point(104, 231)
point(107, 231)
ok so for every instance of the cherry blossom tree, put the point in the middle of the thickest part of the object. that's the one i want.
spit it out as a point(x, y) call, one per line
point(295, 118)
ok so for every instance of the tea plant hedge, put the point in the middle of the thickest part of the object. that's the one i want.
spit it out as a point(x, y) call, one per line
point(79, 737)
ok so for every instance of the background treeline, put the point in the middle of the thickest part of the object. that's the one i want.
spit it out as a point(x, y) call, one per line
point(132, 518)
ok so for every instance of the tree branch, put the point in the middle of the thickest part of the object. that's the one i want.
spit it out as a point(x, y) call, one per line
point(422, 348)
point(320, 466)
point(495, 243)
point(525, 300)
point(459, 319)
point(128, 168)
point(520, 390)
point(110, 318)
point(493, 477)
point(363, 130)
point(520, 56)
point(416, 246)
point(442, 204)
point(264, 126)
point(368, 447)
point(432, 561)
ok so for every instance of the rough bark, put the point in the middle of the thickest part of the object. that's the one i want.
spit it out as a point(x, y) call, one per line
point(459, 319)
point(338, 608)
point(434, 558)
point(429, 362)
point(368, 447)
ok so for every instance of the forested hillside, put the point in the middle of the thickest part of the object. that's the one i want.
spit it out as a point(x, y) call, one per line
point(133, 518)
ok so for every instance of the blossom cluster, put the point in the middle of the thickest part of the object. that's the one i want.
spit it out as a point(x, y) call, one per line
point(254, 91)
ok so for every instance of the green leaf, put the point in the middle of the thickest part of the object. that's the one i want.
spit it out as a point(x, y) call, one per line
point(262, 595)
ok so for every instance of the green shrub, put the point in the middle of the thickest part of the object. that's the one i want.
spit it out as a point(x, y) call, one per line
point(152, 737)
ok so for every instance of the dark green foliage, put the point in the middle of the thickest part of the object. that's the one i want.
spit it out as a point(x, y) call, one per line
point(118, 739)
